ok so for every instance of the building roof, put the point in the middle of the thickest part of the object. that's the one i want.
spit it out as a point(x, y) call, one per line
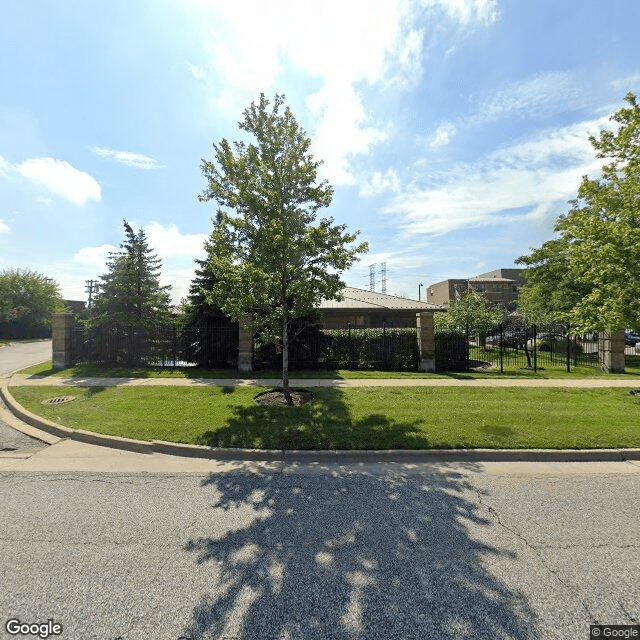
point(371, 300)
point(490, 279)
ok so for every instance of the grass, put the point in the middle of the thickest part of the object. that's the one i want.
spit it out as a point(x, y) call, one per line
point(512, 369)
point(362, 418)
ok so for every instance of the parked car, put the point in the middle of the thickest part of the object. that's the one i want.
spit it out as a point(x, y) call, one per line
point(631, 338)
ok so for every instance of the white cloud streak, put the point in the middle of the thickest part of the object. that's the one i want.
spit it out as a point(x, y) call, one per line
point(4, 227)
point(61, 179)
point(128, 158)
point(528, 179)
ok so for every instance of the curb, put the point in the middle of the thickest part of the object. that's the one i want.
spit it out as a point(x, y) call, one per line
point(336, 456)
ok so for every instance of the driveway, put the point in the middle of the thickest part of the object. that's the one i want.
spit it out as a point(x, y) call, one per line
point(23, 353)
point(13, 443)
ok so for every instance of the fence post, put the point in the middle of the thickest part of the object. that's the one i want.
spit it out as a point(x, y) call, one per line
point(501, 348)
point(611, 351)
point(535, 349)
point(245, 344)
point(62, 326)
point(426, 341)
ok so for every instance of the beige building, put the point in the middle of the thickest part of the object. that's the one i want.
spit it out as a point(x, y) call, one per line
point(363, 308)
point(500, 286)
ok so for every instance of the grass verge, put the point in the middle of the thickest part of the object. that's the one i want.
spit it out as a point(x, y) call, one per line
point(364, 418)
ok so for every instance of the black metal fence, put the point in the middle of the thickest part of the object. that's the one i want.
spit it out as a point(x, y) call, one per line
point(24, 330)
point(163, 346)
point(506, 346)
point(514, 345)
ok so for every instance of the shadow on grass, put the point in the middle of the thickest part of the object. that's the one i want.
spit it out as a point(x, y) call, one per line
point(325, 423)
point(351, 556)
point(94, 391)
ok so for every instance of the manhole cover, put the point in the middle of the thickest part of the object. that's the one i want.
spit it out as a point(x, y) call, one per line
point(58, 400)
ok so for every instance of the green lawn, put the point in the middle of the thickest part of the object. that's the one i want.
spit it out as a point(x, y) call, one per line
point(363, 418)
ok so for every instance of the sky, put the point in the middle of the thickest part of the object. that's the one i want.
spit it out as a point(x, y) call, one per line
point(454, 132)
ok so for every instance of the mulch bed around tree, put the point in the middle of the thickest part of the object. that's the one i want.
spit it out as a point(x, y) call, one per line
point(276, 397)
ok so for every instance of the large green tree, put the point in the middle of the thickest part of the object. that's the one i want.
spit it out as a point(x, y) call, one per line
point(471, 313)
point(589, 276)
point(130, 294)
point(28, 298)
point(271, 257)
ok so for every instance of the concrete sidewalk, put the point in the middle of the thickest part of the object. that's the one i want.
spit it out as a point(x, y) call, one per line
point(586, 383)
point(75, 449)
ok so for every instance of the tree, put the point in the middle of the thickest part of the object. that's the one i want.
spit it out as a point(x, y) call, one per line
point(269, 257)
point(590, 273)
point(472, 314)
point(28, 299)
point(130, 294)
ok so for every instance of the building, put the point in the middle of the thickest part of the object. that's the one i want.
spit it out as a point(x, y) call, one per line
point(363, 308)
point(500, 286)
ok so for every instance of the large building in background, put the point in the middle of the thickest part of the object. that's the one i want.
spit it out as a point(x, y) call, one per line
point(500, 286)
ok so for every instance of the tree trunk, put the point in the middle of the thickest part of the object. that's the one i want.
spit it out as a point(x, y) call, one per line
point(285, 361)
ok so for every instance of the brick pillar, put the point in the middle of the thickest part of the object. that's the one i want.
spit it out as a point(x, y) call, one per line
point(426, 341)
point(62, 326)
point(611, 351)
point(245, 344)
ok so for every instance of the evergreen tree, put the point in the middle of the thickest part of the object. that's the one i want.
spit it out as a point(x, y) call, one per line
point(129, 294)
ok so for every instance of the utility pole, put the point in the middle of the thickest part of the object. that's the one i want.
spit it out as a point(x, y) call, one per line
point(92, 287)
point(419, 286)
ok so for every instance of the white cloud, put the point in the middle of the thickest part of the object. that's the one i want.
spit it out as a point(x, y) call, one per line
point(197, 72)
point(381, 183)
point(62, 179)
point(94, 256)
point(128, 158)
point(468, 12)
point(530, 179)
point(630, 83)
point(4, 227)
point(5, 167)
point(538, 95)
point(168, 242)
point(327, 43)
point(442, 135)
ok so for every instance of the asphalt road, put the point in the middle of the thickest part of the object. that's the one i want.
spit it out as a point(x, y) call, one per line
point(13, 357)
point(329, 553)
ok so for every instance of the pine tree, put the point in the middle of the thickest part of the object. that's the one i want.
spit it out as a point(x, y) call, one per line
point(129, 294)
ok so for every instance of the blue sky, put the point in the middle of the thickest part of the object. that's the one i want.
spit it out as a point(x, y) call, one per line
point(453, 131)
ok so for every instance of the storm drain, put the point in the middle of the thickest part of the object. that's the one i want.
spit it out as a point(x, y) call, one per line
point(59, 400)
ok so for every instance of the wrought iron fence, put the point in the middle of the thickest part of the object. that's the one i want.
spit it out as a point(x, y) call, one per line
point(515, 345)
point(162, 346)
point(352, 347)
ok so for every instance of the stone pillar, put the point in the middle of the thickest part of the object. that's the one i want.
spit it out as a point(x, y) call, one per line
point(611, 351)
point(62, 326)
point(245, 344)
point(426, 341)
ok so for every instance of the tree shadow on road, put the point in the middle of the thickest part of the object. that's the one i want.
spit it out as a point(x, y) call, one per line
point(350, 556)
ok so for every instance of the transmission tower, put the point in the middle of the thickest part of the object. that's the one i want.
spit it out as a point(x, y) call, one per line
point(383, 275)
point(372, 277)
point(92, 287)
